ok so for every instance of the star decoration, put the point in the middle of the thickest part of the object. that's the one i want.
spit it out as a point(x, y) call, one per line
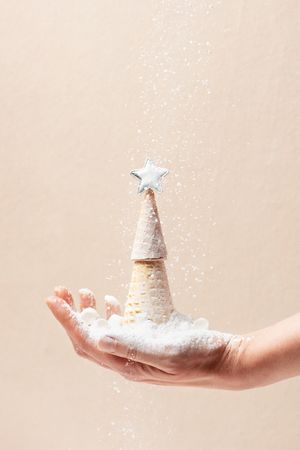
point(150, 176)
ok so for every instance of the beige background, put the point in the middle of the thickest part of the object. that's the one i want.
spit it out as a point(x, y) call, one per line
point(90, 89)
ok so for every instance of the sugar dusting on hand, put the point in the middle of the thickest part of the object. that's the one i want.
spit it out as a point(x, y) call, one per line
point(89, 315)
point(86, 291)
point(179, 333)
point(111, 300)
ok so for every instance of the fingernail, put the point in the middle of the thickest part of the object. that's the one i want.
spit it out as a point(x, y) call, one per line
point(111, 300)
point(107, 344)
point(87, 298)
point(86, 291)
point(59, 288)
point(52, 298)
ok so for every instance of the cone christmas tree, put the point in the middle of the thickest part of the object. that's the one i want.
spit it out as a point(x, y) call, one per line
point(149, 241)
point(149, 294)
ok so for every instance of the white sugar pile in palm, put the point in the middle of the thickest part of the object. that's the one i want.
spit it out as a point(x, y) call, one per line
point(179, 332)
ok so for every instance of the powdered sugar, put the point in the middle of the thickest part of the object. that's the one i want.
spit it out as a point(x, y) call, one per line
point(89, 315)
point(179, 333)
point(86, 291)
point(111, 300)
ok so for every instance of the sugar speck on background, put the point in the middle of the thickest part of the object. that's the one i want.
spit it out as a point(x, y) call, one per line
point(172, 75)
point(174, 93)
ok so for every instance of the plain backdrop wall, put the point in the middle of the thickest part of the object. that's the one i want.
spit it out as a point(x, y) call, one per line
point(209, 89)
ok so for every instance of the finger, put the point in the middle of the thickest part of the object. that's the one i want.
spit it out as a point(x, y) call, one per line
point(158, 383)
point(121, 349)
point(145, 373)
point(65, 294)
point(112, 306)
point(69, 320)
point(87, 299)
point(64, 314)
point(170, 383)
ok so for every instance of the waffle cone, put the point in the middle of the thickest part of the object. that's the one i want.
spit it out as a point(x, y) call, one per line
point(149, 293)
point(149, 241)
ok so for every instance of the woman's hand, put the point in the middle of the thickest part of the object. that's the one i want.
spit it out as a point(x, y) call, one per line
point(62, 306)
point(217, 361)
point(213, 363)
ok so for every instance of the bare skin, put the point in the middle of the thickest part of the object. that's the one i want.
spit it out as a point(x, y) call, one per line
point(238, 362)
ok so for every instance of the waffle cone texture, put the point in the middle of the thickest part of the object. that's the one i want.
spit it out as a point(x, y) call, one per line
point(149, 294)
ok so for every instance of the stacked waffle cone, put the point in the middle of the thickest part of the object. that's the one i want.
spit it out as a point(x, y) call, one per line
point(149, 294)
point(149, 241)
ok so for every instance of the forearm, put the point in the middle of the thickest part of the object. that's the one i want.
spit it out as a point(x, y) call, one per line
point(269, 355)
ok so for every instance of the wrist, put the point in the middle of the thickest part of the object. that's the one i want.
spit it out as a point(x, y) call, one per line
point(235, 372)
point(251, 365)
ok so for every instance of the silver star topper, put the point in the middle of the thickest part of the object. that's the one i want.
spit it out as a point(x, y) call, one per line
point(150, 176)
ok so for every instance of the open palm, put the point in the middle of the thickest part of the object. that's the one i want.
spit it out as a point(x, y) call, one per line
point(184, 365)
